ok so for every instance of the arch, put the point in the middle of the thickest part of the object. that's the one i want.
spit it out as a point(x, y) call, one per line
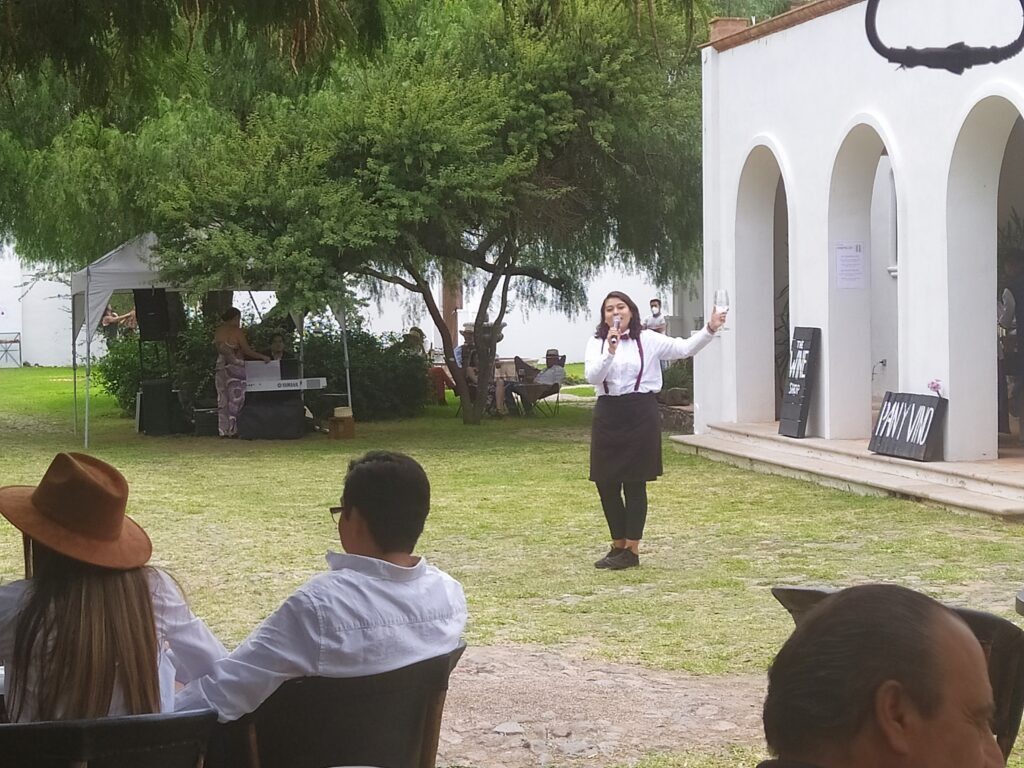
point(847, 355)
point(753, 318)
point(971, 222)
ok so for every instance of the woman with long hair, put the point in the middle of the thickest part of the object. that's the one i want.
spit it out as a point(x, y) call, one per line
point(232, 351)
point(623, 362)
point(92, 631)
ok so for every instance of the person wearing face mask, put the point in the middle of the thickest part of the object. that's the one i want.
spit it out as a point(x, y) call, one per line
point(623, 362)
point(656, 321)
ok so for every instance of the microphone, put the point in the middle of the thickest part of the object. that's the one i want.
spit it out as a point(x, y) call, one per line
point(616, 324)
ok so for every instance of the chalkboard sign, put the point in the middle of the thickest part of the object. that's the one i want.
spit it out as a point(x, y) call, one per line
point(910, 427)
point(803, 376)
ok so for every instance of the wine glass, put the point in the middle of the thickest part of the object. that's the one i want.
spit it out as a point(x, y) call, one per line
point(722, 303)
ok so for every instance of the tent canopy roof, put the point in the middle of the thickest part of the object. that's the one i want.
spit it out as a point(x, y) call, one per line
point(131, 266)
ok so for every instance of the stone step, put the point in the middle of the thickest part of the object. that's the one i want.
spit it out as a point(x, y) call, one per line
point(866, 479)
point(990, 478)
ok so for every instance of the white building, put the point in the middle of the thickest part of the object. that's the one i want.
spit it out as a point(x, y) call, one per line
point(38, 310)
point(817, 149)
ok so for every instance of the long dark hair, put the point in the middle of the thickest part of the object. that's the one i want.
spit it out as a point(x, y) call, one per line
point(83, 632)
point(634, 320)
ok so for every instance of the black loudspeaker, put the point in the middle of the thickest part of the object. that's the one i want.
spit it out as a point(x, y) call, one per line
point(155, 409)
point(151, 314)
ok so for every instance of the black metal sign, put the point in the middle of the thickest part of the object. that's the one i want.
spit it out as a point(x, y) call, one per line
point(803, 376)
point(910, 427)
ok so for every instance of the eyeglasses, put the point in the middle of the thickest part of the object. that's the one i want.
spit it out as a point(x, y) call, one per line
point(336, 514)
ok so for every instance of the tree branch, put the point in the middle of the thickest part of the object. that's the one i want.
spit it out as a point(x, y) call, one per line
point(394, 279)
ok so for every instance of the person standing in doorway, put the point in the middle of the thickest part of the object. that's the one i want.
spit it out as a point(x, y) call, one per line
point(623, 363)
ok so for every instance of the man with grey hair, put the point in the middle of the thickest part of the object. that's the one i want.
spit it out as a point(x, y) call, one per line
point(879, 676)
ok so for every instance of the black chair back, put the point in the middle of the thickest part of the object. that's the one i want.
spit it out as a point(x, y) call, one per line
point(390, 720)
point(1001, 640)
point(172, 740)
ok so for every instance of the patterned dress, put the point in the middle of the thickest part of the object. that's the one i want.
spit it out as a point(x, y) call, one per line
point(230, 387)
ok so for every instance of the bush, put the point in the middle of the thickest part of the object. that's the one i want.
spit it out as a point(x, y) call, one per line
point(118, 371)
point(679, 374)
point(388, 381)
point(193, 360)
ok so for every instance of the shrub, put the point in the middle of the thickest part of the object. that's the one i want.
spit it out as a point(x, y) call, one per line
point(679, 374)
point(388, 381)
point(118, 372)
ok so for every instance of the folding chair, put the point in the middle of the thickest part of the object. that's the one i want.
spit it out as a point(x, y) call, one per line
point(534, 395)
point(390, 720)
point(1001, 640)
point(171, 740)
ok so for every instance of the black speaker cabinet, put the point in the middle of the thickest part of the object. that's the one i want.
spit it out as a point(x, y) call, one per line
point(155, 409)
point(151, 314)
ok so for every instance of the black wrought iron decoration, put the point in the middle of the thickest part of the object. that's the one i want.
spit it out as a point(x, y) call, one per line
point(956, 58)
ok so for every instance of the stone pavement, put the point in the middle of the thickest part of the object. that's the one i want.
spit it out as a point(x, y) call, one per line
point(521, 706)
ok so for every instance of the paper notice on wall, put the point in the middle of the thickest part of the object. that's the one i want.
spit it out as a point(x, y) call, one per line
point(851, 271)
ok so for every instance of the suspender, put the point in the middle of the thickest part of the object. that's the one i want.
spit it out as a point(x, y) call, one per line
point(640, 348)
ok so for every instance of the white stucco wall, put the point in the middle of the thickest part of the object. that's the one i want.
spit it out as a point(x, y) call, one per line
point(38, 309)
point(823, 105)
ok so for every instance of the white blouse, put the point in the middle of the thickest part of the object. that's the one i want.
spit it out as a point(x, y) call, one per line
point(188, 649)
point(620, 371)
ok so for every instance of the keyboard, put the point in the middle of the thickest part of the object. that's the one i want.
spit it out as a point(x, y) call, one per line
point(286, 385)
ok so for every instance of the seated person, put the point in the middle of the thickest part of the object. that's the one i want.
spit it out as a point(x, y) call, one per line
point(93, 631)
point(553, 376)
point(880, 676)
point(278, 348)
point(378, 608)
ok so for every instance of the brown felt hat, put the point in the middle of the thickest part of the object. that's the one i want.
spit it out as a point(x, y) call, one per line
point(78, 510)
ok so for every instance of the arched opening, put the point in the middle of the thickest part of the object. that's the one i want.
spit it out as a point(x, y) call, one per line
point(760, 317)
point(973, 209)
point(1010, 241)
point(861, 340)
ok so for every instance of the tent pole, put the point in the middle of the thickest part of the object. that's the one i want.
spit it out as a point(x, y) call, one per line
point(88, 353)
point(344, 341)
point(74, 371)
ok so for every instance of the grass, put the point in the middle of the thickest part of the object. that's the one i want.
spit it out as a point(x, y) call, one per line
point(516, 520)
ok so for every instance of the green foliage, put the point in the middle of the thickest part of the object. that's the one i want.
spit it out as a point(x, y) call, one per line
point(679, 374)
point(388, 381)
point(193, 364)
point(119, 374)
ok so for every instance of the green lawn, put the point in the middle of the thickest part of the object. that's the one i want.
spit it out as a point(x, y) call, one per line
point(516, 520)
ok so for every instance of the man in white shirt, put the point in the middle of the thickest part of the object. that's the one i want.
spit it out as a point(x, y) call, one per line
point(656, 321)
point(378, 608)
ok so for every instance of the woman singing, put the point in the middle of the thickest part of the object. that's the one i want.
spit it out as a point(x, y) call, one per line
point(623, 363)
point(232, 350)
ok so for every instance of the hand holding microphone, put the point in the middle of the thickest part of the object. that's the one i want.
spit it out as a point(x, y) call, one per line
point(614, 333)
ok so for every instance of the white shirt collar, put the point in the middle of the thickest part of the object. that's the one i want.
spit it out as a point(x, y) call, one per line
point(374, 567)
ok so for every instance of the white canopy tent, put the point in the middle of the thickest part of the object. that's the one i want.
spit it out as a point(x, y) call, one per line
point(131, 266)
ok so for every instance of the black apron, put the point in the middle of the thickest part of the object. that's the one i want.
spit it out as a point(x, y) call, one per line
point(625, 438)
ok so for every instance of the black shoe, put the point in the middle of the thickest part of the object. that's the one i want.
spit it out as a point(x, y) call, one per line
point(605, 561)
point(627, 558)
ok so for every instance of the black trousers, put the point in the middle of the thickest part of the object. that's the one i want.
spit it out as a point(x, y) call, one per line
point(625, 508)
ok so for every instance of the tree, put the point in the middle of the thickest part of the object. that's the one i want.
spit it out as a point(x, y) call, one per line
point(515, 151)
